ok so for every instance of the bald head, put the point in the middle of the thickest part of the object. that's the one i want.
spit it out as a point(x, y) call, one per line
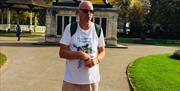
point(86, 5)
point(85, 13)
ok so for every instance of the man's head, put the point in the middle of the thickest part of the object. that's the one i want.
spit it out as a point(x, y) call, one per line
point(85, 11)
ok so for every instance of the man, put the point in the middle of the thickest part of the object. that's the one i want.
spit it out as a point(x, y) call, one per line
point(83, 52)
point(18, 32)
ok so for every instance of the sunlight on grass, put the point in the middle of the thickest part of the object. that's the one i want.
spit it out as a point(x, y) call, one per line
point(13, 34)
point(2, 59)
point(159, 42)
point(155, 73)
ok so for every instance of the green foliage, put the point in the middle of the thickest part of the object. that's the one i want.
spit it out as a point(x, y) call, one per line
point(155, 73)
point(159, 17)
point(124, 10)
point(123, 6)
point(159, 42)
point(138, 13)
point(137, 17)
point(176, 54)
point(2, 59)
point(49, 2)
point(133, 11)
point(165, 13)
point(23, 17)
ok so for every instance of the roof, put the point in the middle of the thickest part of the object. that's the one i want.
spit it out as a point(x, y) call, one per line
point(76, 4)
point(33, 4)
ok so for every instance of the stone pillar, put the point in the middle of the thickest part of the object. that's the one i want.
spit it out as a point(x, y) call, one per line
point(30, 26)
point(111, 38)
point(48, 21)
point(50, 27)
point(8, 19)
point(35, 21)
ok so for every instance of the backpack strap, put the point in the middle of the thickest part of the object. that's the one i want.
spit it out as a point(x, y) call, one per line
point(98, 29)
point(73, 28)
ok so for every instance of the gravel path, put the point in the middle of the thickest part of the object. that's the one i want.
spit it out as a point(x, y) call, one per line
point(39, 68)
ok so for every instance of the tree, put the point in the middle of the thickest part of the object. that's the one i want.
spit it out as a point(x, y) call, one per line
point(49, 2)
point(124, 10)
point(166, 14)
point(136, 18)
point(133, 11)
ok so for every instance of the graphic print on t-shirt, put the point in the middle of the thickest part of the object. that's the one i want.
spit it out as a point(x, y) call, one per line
point(85, 46)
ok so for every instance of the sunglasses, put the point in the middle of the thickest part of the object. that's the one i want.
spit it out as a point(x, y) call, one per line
point(86, 11)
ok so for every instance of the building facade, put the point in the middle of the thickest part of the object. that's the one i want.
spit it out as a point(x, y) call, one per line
point(59, 15)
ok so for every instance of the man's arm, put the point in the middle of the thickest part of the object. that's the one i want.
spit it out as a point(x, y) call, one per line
point(66, 53)
point(100, 56)
point(101, 53)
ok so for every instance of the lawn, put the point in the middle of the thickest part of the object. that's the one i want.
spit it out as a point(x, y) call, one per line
point(2, 59)
point(155, 73)
point(159, 42)
point(13, 34)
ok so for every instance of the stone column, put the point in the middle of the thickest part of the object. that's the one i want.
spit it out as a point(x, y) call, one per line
point(30, 26)
point(35, 21)
point(8, 19)
point(111, 38)
point(48, 21)
point(49, 37)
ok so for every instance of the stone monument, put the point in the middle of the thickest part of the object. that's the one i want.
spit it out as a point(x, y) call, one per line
point(63, 13)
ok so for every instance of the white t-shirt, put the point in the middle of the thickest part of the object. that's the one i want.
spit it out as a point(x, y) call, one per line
point(76, 72)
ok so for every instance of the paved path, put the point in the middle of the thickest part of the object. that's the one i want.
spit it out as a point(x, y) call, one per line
point(38, 68)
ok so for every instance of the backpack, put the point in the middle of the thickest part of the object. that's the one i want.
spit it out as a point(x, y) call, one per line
point(73, 29)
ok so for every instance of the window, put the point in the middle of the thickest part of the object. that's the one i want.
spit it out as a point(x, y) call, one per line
point(62, 22)
point(73, 19)
point(59, 25)
point(102, 22)
point(97, 20)
point(66, 21)
point(103, 25)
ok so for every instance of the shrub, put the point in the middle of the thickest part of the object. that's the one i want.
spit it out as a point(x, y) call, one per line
point(2, 59)
point(176, 54)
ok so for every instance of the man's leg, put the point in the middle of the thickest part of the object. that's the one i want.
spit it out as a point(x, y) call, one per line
point(90, 87)
point(69, 87)
point(19, 38)
point(74, 87)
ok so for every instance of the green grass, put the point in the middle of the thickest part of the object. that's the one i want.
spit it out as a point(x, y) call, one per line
point(159, 42)
point(155, 73)
point(2, 59)
point(13, 34)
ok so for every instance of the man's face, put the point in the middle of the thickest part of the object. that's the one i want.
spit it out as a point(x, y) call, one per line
point(86, 12)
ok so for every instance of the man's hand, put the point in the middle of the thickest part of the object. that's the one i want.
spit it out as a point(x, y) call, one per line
point(84, 56)
point(91, 62)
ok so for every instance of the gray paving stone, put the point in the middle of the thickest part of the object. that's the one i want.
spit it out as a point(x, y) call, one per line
point(39, 68)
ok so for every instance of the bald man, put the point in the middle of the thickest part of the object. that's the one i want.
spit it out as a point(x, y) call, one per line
point(83, 52)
